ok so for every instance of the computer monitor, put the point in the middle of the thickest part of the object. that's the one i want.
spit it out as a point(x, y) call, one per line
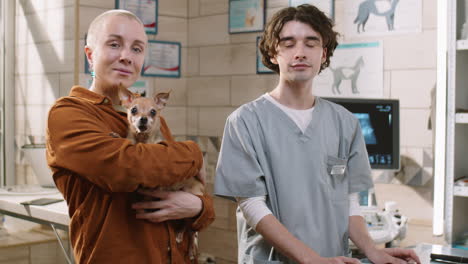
point(380, 125)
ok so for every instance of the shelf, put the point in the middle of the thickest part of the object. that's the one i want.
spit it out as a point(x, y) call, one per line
point(462, 44)
point(460, 191)
point(461, 118)
point(456, 197)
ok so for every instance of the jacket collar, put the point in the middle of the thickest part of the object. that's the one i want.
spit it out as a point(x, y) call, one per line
point(83, 93)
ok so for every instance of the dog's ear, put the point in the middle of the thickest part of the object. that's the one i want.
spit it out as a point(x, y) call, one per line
point(161, 99)
point(126, 97)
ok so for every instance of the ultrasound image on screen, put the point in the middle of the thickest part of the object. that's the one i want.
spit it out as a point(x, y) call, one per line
point(379, 122)
point(367, 129)
point(377, 128)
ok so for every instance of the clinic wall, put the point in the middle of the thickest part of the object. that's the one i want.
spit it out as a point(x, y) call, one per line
point(43, 41)
point(43, 63)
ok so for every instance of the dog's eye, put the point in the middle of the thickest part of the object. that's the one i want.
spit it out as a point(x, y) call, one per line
point(134, 110)
point(153, 112)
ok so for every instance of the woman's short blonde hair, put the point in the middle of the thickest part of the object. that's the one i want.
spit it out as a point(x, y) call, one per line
point(95, 25)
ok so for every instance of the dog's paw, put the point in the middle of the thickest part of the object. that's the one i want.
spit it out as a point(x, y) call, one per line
point(113, 134)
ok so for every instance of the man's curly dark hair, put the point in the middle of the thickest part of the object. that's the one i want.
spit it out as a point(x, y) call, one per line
point(307, 14)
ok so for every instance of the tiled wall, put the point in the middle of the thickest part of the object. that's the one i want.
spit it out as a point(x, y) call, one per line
point(218, 75)
point(43, 61)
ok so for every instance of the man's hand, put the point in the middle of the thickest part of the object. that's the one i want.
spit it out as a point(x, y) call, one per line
point(171, 206)
point(335, 260)
point(393, 256)
point(286, 243)
point(360, 236)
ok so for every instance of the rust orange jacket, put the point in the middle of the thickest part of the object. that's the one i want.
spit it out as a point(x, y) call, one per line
point(99, 174)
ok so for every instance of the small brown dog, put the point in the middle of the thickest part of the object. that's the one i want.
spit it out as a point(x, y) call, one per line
point(144, 118)
point(144, 127)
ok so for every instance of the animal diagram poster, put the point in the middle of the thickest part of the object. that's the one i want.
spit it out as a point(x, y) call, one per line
point(356, 70)
point(382, 17)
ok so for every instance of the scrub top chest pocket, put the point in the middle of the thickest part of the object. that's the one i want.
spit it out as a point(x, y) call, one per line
point(336, 173)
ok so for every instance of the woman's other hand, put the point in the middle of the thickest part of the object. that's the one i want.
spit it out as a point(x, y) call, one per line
point(172, 205)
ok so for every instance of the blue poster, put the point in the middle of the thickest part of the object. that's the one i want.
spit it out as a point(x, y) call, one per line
point(246, 15)
point(261, 68)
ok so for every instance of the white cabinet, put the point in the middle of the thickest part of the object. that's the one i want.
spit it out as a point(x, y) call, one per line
point(456, 160)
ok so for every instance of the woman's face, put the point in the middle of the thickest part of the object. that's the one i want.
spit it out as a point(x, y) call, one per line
point(118, 53)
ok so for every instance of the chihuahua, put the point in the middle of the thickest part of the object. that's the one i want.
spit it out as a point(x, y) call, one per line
point(144, 127)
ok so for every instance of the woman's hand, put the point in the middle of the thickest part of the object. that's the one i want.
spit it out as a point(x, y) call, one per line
point(171, 206)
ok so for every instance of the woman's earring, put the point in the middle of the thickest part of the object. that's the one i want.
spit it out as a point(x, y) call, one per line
point(93, 74)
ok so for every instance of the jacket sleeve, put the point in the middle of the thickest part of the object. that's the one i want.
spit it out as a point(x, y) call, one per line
point(77, 142)
point(206, 216)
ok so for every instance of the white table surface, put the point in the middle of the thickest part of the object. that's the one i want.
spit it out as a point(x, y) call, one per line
point(56, 213)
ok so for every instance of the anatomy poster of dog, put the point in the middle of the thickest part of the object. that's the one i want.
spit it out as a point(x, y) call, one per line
point(382, 17)
point(356, 70)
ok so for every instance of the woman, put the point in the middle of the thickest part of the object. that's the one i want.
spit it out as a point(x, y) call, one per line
point(99, 174)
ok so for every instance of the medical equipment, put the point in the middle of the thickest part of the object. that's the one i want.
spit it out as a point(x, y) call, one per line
point(387, 226)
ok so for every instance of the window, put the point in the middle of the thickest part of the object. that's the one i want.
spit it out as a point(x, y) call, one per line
point(7, 114)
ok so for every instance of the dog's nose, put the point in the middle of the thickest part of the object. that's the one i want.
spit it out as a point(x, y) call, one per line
point(144, 120)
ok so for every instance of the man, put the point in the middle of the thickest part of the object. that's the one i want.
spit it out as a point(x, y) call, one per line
point(101, 176)
point(296, 162)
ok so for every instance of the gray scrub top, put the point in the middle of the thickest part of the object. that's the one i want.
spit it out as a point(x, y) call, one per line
point(307, 177)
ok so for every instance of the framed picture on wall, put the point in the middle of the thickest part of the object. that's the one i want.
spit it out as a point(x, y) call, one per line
point(146, 11)
point(363, 18)
point(355, 71)
point(162, 59)
point(327, 6)
point(246, 16)
point(261, 68)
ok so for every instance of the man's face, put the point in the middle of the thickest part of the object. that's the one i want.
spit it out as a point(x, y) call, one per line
point(300, 52)
point(119, 51)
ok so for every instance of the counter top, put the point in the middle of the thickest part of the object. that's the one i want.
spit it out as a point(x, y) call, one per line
point(56, 213)
point(424, 252)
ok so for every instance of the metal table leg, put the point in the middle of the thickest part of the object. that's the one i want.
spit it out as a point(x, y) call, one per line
point(68, 256)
